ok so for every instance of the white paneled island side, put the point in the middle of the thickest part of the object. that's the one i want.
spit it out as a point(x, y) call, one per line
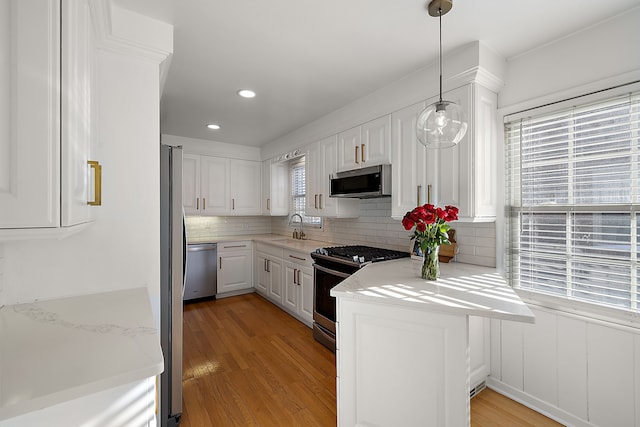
point(402, 342)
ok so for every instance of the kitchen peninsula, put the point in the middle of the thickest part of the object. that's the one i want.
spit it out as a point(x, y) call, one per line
point(402, 342)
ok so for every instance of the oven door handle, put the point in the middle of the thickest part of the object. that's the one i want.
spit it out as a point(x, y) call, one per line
point(333, 272)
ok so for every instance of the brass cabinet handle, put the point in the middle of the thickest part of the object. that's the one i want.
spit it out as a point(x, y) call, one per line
point(315, 203)
point(220, 262)
point(362, 152)
point(320, 204)
point(295, 270)
point(264, 267)
point(297, 257)
point(268, 204)
point(97, 183)
point(429, 193)
point(356, 147)
point(419, 189)
point(268, 266)
point(233, 204)
point(204, 204)
point(299, 277)
point(197, 203)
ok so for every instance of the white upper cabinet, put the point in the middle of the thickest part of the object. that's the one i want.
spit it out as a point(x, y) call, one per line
point(466, 173)
point(411, 163)
point(46, 117)
point(366, 145)
point(245, 187)
point(275, 188)
point(221, 186)
point(321, 162)
point(463, 176)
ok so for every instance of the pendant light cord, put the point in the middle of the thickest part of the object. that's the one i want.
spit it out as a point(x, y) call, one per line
point(440, 21)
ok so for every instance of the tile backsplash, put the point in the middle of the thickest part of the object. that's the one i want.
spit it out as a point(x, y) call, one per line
point(374, 227)
point(215, 226)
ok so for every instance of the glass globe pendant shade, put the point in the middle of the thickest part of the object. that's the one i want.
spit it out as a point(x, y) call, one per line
point(441, 125)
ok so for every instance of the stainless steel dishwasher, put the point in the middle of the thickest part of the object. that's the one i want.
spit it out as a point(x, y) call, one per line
point(202, 271)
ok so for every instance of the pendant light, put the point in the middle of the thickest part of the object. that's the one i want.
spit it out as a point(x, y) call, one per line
point(442, 124)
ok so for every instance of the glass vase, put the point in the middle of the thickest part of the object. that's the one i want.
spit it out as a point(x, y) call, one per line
point(431, 264)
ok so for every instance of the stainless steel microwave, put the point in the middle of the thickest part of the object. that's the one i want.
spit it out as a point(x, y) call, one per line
point(364, 183)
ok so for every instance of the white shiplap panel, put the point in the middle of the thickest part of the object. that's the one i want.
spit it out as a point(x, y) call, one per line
point(512, 353)
point(572, 366)
point(540, 362)
point(610, 378)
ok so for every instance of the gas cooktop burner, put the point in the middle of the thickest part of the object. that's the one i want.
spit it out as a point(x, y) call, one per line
point(361, 254)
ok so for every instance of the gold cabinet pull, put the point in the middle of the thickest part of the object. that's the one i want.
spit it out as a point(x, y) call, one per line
point(220, 262)
point(315, 201)
point(295, 271)
point(265, 265)
point(320, 203)
point(97, 183)
point(298, 277)
point(362, 152)
point(419, 189)
point(233, 204)
point(268, 204)
point(197, 203)
point(429, 193)
point(268, 266)
point(356, 147)
point(204, 204)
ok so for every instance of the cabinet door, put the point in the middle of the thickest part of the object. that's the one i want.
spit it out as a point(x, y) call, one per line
point(375, 148)
point(349, 143)
point(279, 203)
point(260, 275)
point(265, 199)
point(234, 271)
point(305, 294)
point(78, 183)
point(29, 114)
point(276, 287)
point(291, 287)
point(412, 163)
point(191, 184)
point(245, 187)
point(313, 176)
point(214, 186)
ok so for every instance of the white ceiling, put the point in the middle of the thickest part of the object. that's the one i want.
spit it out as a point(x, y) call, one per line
point(306, 58)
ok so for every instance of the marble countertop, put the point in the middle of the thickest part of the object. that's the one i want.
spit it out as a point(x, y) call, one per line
point(461, 288)
point(271, 239)
point(58, 350)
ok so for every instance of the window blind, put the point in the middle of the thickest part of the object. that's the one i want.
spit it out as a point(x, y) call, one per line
point(573, 192)
point(298, 193)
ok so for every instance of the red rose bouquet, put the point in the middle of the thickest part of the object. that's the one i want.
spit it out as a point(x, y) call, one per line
point(430, 232)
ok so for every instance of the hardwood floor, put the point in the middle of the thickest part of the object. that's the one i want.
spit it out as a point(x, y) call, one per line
point(248, 363)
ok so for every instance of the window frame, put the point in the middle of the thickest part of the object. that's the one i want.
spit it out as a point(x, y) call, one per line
point(625, 316)
point(309, 221)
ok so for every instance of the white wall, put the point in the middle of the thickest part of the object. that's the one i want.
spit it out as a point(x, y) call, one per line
point(213, 148)
point(577, 369)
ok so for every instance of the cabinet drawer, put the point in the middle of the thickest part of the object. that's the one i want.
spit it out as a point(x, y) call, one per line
point(301, 258)
point(265, 248)
point(235, 246)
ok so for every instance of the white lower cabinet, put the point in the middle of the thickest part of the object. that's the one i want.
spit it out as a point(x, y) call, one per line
point(299, 286)
point(235, 272)
point(268, 272)
point(285, 277)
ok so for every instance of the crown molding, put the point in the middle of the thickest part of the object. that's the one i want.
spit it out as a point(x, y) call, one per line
point(129, 33)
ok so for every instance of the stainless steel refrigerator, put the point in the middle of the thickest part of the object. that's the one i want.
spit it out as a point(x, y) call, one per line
point(173, 266)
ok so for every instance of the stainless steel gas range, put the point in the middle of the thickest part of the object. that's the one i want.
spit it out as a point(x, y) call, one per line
point(333, 265)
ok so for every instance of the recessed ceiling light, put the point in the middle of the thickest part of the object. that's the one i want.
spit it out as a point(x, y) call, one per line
point(213, 126)
point(246, 93)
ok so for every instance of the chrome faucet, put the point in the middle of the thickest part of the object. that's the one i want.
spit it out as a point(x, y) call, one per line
point(297, 235)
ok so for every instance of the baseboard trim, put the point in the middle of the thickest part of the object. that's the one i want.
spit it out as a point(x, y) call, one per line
point(537, 405)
